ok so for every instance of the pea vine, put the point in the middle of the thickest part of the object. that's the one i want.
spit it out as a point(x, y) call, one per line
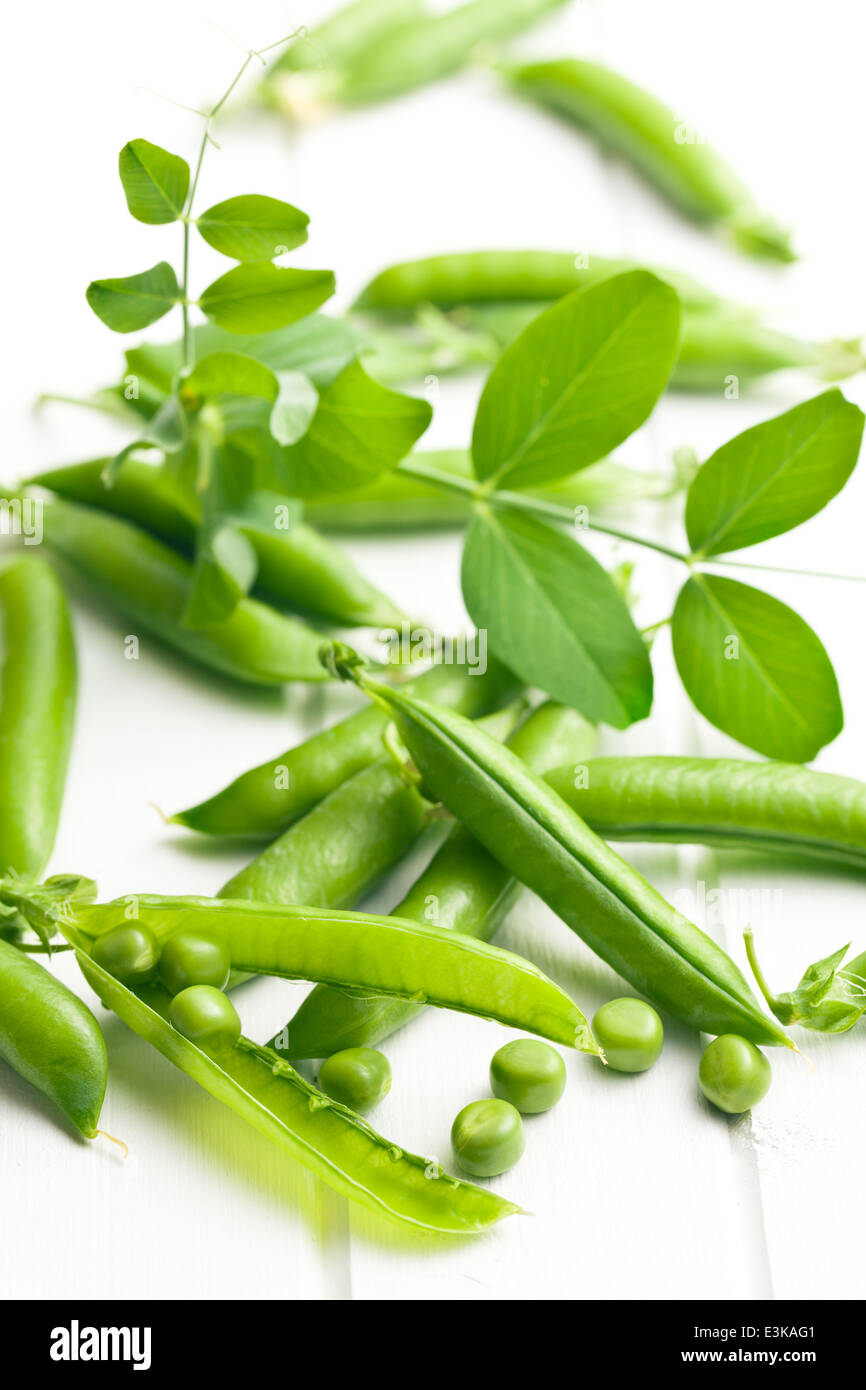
point(266, 407)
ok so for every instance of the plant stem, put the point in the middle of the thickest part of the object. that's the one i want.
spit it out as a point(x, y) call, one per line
point(783, 569)
point(209, 116)
point(525, 502)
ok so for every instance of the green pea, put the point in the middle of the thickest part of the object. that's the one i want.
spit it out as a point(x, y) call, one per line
point(205, 1016)
point(130, 953)
point(528, 1073)
point(630, 1033)
point(358, 1077)
point(487, 1137)
point(733, 1074)
point(189, 959)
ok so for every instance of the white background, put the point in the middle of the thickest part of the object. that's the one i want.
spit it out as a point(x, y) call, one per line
point(637, 1188)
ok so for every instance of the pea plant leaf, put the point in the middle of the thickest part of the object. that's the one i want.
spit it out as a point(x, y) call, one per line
point(155, 182)
point(830, 997)
point(229, 373)
point(259, 297)
point(774, 476)
point(134, 301)
point(755, 669)
point(253, 227)
point(224, 571)
point(360, 429)
point(167, 430)
point(555, 617)
point(294, 408)
point(577, 381)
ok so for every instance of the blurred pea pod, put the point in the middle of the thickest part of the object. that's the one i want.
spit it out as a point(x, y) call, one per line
point(450, 312)
point(375, 50)
point(298, 569)
point(626, 118)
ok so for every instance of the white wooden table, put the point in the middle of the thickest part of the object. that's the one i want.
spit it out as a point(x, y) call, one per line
point(636, 1189)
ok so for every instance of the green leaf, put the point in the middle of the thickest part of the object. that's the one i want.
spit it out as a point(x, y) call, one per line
point(755, 669)
point(134, 301)
point(253, 227)
point(224, 572)
point(155, 182)
point(774, 476)
point(260, 297)
point(555, 617)
point(294, 407)
point(167, 430)
point(830, 998)
point(577, 381)
point(229, 373)
point(360, 429)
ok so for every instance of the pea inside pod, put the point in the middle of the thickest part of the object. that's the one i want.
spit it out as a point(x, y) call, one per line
point(324, 1136)
point(358, 1077)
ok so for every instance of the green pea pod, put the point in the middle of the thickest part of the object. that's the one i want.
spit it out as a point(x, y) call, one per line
point(270, 797)
point(298, 569)
point(714, 347)
point(51, 1039)
point(673, 156)
point(463, 278)
point(780, 808)
point(399, 502)
point(325, 1137)
point(149, 583)
point(435, 46)
point(37, 712)
point(534, 834)
point(463, 889)
point(343, 37)
point(384, 954)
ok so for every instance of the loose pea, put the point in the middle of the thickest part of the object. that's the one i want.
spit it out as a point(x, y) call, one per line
point(630, 1034)
point(529, 1074)
point(358, 1077)
point(130, 953)
point(487, 1137)
point(189, 959)
point(205, 1016)
point(733, 1074)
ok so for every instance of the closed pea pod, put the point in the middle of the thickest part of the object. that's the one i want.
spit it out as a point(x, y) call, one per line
point(461, 278)
point(297, 569)
point(434, 46)
point(268, 798)
point(149, 583)
point(325, 1137)
point(37, 712)
point(51, 1039)
point(771, 807)
point(399, 502)
point(462, 889)
point(531, 831)
point(649, 134)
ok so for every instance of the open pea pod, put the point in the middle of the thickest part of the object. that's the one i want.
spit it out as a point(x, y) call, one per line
point(387, 955)
point(534, 834)
point(327, 1138)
